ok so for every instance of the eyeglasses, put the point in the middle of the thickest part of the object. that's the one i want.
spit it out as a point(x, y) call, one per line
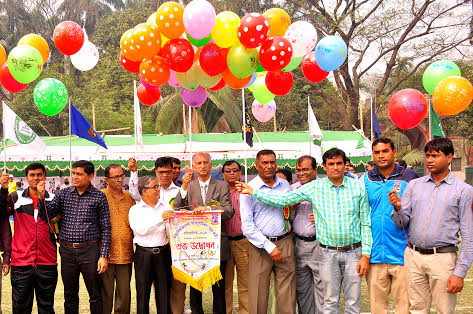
point(155, 187)
point(164, 172)
point(117, 177)
point(305, 170)
point(231, 170)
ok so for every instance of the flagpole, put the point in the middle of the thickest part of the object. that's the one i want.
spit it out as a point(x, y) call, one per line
point(190, 137)
point(70, 140)
point(4, 154)
point(244, 132)
point(430, 120)
point(371, 110)
point(134, 116)
point(310, 129)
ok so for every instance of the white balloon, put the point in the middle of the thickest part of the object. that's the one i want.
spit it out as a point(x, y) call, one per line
point(302, 36)
point(263, 112)
point(86, 58)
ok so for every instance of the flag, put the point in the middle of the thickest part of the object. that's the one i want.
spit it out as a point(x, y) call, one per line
point(82, 128)
point(435, 126)
point(376, 131)
point(314, 128)
point(248, 126)
point(19, 132)
point(138, 127)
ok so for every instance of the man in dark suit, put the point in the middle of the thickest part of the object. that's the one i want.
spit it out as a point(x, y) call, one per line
point(193, 195)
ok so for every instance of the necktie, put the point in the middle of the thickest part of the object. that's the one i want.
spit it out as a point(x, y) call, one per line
point(204, 192)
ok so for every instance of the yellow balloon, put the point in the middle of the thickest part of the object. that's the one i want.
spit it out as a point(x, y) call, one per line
point(452, 95)
point(279, 21)
point(225, 33)
point(152, 19)
point(3, 55)
point(37, 42)
point(169, 19)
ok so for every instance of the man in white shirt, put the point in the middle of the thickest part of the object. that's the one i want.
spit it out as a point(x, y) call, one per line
point(148, 220)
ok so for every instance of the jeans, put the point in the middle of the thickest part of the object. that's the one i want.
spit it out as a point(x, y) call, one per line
point(337, 268)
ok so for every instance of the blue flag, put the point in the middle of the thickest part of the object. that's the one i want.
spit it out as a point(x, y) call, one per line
point(376, 129)
point(82, 128)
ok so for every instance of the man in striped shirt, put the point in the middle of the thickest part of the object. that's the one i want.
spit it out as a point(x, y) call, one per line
point(342, 219)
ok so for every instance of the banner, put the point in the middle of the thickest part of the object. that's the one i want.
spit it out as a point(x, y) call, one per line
point(195, 248)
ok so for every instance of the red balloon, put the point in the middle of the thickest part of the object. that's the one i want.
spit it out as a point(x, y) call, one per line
point(279, 83)
point(178, 54)
point(8, 82)
point(275, 53)
point(407, 108)
point(219, 85)
point(213, 59)
point(148, 97)
point(253, 30)
point(311, 69)
point(68, 37)
point(130, 66)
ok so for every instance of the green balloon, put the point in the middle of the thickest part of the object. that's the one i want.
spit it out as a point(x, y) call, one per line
point(260, 68)
point(261, 92)
point(242, 61)
point(436, 72)
point(190, 79)
point(50, 96)
point(25, 63)
point(198, 42)
point(295, 62)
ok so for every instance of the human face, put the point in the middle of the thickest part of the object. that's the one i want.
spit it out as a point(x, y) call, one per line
point(115, 178)
point(437, 161)
point(34, 177)
point(335, 168)
point(266, 166)
point(384, 155)
point(304, 171)
point(231, 173)
point(152, 191)
point(202, 166)
point(164, 175)
point(80, 179)
point(176, 171)
point(281, 175)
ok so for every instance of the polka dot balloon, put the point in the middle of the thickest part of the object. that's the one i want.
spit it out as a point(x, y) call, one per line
point(154, 71)
point(146, 40)
point(68, 37)
point(302, 36)
point(178, 54)
point(169, 19)
point(275, 53)
point(126, 48)
point(224, 32)
point(253, 30)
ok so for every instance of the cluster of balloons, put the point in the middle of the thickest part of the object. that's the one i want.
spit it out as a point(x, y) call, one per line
point(194, 48)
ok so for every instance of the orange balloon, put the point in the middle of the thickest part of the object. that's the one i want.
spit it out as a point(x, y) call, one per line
point(154, 71)
point(233, 81)
point(146, 40)
point(279, 21)
point(452, 95)
point(3, 55)
point(126, 47)
point(169, 19)
point(37, 42)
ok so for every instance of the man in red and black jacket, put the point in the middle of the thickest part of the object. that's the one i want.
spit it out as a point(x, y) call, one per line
point(34, 254)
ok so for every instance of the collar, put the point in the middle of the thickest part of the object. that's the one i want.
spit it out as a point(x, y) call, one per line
point(448, 179)
point(88, 190)
point(397, 171)
point(26, 193)
point(206, 182)
point(259, 182)
point(330, 183)
point(107, 191)
point(170, 187)
point(144, 205)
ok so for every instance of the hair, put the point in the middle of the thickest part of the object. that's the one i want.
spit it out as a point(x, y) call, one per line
point(286, 173)
point(207, 155)
point(334, 152)
point(34, 166)
point(307, 157)
point(175, 161)
point(264, 152)
point(144, 183)
point(110, 167)
point(441, 144)
point(87, 165)
point(402, 163)
point(163, 162)
point(384, 140)
point(231, 162)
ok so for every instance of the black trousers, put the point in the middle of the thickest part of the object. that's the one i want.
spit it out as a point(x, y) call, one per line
point(218, 292)
point(153, 268)
point(81, 261)
point(26, 281)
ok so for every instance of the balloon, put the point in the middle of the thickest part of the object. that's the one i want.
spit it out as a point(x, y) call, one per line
point(25, 63)
point(260, 68)
point(206, 80)
point(279, 83)
point(145, 41)
point(224, 32)
point(199, 18)
point(213, 59)
point(3, 55)
point(311, 69)
point(130, 66)
point(37, 42)
point(87, 57)
point(169, 19)
point(68, 37)
point(190, 79)
point(173, 79)
point(436, 72)
point(331, 53)
point(302, 36)
point(263, 112)
point(407, 108)
point(295, 61)
point(278, 20)
point(199, 42)
point(242, 61)
point(452, 95)
point(261, 92)
point(147, 96)
point(178, 54)
point(152, 19)
point(233, 81)
point(126, 47)
point(146, 85)
point(194, 98)
point(275, 53)
point(50, 96)
point(8, 82)
point(154, 71)
point(220, 85)
point(253, 30)
point(253, 79)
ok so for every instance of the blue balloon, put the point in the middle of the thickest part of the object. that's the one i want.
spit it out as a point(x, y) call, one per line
point(330, 53)
point(253, 79)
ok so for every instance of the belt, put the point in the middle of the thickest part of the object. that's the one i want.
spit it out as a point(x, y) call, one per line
point(341, 248)
point(77, 245)
point(435, 250)
point(236, 238)
point(154, 250)
point(275, 239)
point(307, 239)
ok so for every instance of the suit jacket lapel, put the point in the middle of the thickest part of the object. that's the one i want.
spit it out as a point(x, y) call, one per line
point(196, 193)
point(210, 190)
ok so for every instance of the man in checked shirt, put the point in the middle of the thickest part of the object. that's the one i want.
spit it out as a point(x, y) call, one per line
point(84, 235)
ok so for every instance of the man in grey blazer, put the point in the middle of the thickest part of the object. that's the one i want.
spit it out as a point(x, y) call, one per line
point(193, 195)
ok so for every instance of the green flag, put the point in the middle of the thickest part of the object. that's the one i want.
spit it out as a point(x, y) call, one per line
point(435, 126)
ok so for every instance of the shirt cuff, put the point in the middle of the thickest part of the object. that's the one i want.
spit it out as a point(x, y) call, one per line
point(459, 271)
point(183, 193)
point(269, 246)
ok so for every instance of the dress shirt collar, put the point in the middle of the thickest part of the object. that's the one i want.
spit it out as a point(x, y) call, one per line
point(108, 192)
point(170, 187)
point(344, 183)
point(259, 182)
point(206, 182)
point(448, 179)
point(142, 204)
point(88, 190)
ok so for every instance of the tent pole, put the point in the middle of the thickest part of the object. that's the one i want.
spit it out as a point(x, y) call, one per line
point(244, 132)
point(310, 129)
point(190, 137)
point(70, 140)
